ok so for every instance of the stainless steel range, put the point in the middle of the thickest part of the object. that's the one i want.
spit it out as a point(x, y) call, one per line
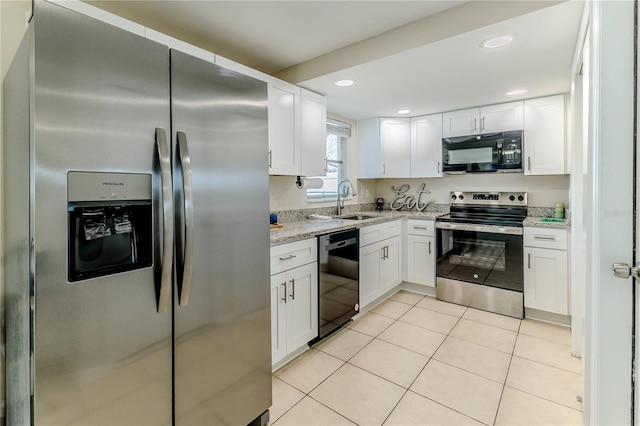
point(480, 251)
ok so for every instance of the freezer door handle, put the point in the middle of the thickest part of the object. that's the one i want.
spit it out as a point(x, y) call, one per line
point(164, 157)
point(184, 280)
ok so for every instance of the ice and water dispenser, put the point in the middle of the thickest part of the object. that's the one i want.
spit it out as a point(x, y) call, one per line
point(110, 223)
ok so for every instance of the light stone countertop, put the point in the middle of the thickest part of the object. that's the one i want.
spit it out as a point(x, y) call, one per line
point(310, 228)
point(535, 222)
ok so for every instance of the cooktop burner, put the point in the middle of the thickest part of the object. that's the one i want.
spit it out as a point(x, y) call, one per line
point(487, 208)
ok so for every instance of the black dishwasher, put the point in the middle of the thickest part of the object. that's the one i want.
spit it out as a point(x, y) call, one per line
point(338, 283)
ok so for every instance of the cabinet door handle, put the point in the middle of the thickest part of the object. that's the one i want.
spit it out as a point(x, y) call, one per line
point(544, 237)
point(291, 256)
point(270, 158)
point(529, 260)
point(475, 127)
point(382, 250)
point(529, 163)
point(438, 167)
point(429, 247)
point(384, 169)
point(482, 123)
point(293, 289)
point(387, 252)
point(284, 284)
point(326, 164)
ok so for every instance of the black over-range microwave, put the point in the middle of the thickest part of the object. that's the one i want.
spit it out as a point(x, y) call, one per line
point(492, 152)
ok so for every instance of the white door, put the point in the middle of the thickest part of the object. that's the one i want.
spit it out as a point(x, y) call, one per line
point(391, 264)
point(370, 258)
point(302, 310)
point(426, 146)
point(611, 211)
point(278, 317)
point(395, 147)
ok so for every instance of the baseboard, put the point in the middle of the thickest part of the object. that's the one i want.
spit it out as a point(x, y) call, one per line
point(564, 320)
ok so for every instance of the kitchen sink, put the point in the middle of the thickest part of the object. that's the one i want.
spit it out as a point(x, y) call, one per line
point(356, 217)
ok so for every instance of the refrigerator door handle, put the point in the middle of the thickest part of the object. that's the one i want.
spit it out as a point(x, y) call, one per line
point(167, 219)
point(185, 162)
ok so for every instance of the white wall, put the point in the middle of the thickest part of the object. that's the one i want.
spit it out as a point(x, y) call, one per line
point(543, 191)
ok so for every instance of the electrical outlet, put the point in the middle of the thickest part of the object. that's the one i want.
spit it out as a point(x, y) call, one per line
point(366, 193)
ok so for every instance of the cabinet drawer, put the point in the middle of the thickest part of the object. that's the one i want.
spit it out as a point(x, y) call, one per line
point(421, 227)
point(545, 238)
point(382, 231)
point(292, 255)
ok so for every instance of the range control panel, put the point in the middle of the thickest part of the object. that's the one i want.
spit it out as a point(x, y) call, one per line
point(489, 198)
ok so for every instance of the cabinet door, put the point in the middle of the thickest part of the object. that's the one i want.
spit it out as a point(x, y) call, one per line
point(302, 309)
point(278, 317)
point(284, 128)
point(545, 280)
point(369, 149)
point(461, 123)
point(391, 265)
point(426, 146)
point(313, 134)
point(395, 147)
point(421, 260)
point(544, 136)
point(501, 117)
point(370, 258)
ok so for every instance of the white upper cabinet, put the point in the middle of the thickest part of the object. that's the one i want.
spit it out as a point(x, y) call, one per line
point(385, 148)
point(313, 134)
point(369, 149)
point(297, 130)
point(426, 146)
point(395, 147)
point(544, 136)
point(487, 119)
point(284, 128)
point(501, 117)
point(461, 123)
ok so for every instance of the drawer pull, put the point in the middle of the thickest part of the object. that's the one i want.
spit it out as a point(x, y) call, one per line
point(544, 237)
point(420, 227)
point(291, 256)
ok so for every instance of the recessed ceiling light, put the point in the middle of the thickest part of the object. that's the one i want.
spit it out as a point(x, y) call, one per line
point(404, 111)
point(498, 41)
point(516, 92)
point(344, 83)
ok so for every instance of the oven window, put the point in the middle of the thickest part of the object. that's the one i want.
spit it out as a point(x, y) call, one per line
point(471, 155)
point(481, 257)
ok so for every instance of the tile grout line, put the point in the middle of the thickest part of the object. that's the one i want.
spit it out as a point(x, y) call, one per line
point(495, 417)
point(544, 399)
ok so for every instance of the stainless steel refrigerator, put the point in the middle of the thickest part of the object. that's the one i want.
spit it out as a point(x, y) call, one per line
point(136, 244)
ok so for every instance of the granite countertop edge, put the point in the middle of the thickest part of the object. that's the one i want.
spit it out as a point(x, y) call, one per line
point(296, 231)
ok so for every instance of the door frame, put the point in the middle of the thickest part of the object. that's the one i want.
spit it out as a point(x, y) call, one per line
point(610, 200)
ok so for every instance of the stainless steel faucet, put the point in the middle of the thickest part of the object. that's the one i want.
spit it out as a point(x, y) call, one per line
point(340, 204)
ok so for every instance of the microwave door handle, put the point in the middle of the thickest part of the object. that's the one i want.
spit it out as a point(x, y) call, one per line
point(167, 216)
point(187, 182)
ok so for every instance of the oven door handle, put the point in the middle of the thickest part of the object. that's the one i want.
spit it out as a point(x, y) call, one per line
point(490, 229)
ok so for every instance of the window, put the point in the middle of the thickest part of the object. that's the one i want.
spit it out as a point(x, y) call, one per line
point(338, 134)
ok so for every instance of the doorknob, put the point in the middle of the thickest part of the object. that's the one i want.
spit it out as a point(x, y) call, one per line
point(622, 270)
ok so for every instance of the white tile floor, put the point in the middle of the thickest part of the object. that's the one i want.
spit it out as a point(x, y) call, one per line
point(414, 360)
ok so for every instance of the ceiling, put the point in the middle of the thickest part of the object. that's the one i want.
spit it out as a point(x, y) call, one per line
point(419, 55)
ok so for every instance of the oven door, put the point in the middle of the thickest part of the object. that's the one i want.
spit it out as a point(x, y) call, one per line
point(480, 254)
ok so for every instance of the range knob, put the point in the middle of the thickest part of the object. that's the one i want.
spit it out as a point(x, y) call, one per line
point(511, 197)
point(461, 197)
point(454, 197)
point(520, 198)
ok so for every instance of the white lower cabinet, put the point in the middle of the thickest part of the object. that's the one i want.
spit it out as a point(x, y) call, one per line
point(546, 270)
point(380, 261)
point(421, 260)
point(294, 307)
point(420, 255)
